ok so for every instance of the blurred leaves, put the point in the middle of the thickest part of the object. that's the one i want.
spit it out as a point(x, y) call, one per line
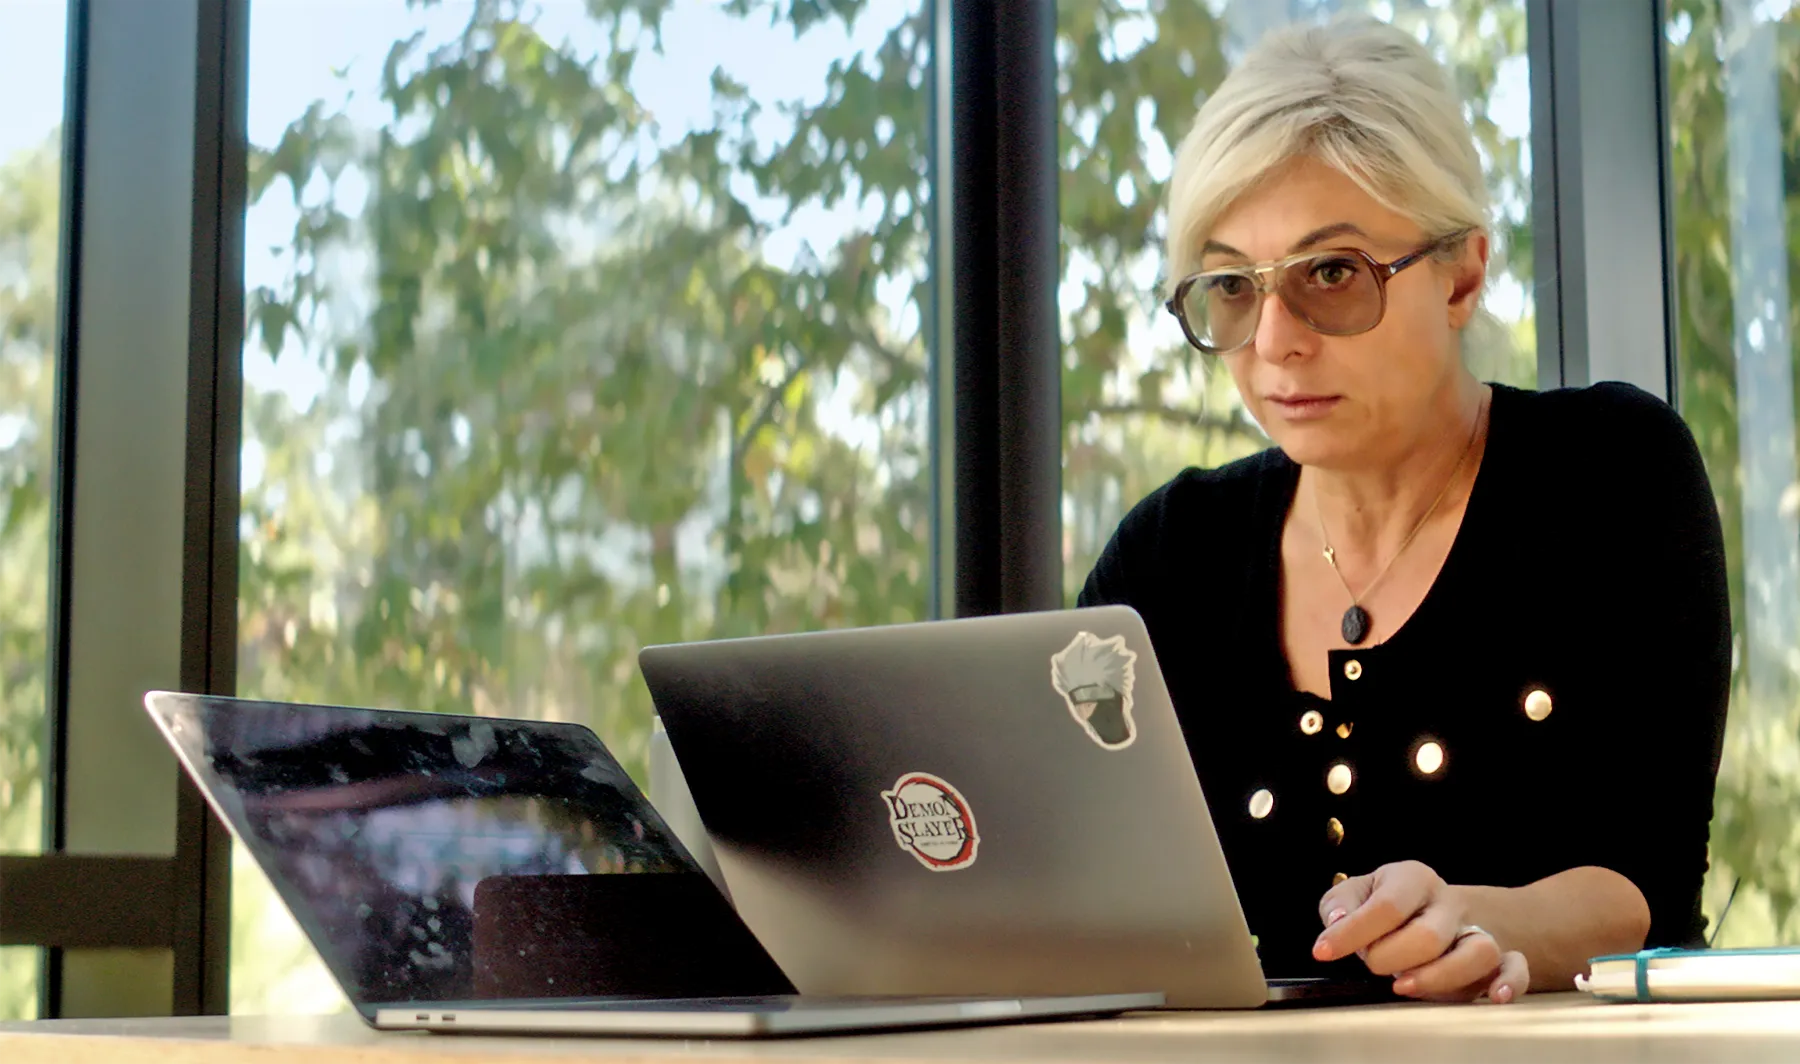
point(1756, 832)
point(571, 401)
point(584, 411)
point(29, 227)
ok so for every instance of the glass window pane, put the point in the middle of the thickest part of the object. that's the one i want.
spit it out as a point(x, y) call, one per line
point(571, 332)
point(1732, 97)
point(1138, 403)
point(32, 48)
point(20, 969)
point(31, 81)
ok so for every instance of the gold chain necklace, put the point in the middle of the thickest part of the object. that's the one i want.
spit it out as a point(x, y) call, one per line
point(1357, 623)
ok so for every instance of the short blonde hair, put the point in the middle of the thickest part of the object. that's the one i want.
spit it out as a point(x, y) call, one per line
point(1361, 96)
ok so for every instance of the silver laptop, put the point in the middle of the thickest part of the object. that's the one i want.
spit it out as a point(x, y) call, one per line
point(473, 874)
point(965, 807)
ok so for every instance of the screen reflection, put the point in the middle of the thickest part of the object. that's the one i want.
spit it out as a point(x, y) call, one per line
point(382, 829)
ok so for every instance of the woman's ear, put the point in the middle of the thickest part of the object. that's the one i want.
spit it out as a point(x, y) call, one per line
point(1467, 276)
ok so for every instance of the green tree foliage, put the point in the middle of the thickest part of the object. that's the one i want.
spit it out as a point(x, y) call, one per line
point(1756, 833)
point(576, 354)
point(593, 415)
point(573, 401)
point(576, 405)
point(29, 193)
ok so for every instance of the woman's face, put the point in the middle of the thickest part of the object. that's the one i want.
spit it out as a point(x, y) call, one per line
point(1346, 402)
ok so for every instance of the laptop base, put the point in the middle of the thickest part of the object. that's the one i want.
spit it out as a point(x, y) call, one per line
point(746, 1017)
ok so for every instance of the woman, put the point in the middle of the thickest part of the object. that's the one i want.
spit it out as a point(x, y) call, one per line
point(1452, 657)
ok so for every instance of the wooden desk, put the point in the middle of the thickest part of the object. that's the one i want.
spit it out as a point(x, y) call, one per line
point(1545, 1029)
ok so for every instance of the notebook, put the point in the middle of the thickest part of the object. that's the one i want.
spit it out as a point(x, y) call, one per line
point(1669, 974)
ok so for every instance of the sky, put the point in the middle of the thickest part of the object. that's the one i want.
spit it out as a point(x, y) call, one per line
point(32, 39)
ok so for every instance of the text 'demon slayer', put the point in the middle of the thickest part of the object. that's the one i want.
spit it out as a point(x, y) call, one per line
point(932, 821)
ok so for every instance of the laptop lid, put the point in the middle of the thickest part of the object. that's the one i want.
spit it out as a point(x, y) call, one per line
point(992, 805)
point(442, 858)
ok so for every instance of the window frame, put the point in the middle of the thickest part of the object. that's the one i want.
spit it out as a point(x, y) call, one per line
point(1599, 107)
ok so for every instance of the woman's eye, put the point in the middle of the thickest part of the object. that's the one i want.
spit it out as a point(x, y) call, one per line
point(1229, 286)
point(1333, 273)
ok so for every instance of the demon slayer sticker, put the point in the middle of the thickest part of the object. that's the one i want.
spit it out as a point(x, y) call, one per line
point(1095, 677)
point(932, 822)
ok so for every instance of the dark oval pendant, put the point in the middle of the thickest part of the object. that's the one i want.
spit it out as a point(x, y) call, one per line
point(1356, 625)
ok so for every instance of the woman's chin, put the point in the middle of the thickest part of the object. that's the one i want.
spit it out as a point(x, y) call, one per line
point(1316, 445)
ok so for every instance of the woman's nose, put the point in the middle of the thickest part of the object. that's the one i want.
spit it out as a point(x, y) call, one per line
point(1280, 334)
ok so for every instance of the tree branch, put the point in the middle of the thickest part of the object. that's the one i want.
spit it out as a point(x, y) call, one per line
point(896, 361)
point(767, 412)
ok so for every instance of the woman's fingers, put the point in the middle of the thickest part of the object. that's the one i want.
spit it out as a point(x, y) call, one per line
point(1397, 891)
point(1339, 900)
point(1513, 981)
point(1415, 943)
point(1464, 971)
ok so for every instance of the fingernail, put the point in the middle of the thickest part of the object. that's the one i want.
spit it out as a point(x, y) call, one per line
point(1335, 916)
point(1503, 995)
point(1322, 949)
point(1405, 985)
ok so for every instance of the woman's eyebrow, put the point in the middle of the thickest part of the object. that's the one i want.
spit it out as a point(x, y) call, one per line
point(1324, 232)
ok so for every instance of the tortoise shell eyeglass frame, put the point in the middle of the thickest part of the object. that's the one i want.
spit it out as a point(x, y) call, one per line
point(1368, 306)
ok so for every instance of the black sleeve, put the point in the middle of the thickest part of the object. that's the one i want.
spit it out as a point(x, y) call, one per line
point(1662, 616)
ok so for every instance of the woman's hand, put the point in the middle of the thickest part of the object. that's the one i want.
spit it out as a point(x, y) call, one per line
point(1403, 920)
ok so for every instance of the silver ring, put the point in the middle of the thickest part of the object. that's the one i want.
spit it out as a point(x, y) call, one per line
point(1468, 930)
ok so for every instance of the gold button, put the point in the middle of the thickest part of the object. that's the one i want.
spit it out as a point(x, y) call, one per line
point(1338, 779)
point(1537, 704)
point(1353, 669)
point(1339, 878)
point(1429, 757)
point(1344, 730)
point(1311, 721)
point(1334, 830)
point(1262, 803)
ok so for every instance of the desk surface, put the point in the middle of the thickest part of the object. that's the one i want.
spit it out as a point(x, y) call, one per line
point(1543, 1029)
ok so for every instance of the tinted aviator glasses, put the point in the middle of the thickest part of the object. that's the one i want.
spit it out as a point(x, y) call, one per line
point(1337, 292)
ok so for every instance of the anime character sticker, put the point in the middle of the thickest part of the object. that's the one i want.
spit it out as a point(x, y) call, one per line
point(1095, 678)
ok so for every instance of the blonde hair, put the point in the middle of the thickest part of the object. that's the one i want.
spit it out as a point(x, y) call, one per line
point(1359, 95)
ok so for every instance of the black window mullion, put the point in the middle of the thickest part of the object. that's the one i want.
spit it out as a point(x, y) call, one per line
point(1008, 420)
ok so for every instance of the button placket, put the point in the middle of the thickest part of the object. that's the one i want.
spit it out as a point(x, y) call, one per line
point(1354, 696)
point(1349, 691)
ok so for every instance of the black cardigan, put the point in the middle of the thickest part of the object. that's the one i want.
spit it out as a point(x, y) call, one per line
point(1590, 567)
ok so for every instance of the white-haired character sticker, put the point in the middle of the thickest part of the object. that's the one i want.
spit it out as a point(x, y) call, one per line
point(1095, 677)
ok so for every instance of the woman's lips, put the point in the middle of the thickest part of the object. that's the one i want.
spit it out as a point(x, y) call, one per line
point(1304, 407)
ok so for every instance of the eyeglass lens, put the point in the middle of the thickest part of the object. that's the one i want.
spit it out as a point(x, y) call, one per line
point(1333, 293)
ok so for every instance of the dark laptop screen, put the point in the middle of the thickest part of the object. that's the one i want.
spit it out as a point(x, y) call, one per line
point(446, 858)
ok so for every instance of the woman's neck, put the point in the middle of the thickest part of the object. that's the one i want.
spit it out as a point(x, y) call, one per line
point(1369, 513)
